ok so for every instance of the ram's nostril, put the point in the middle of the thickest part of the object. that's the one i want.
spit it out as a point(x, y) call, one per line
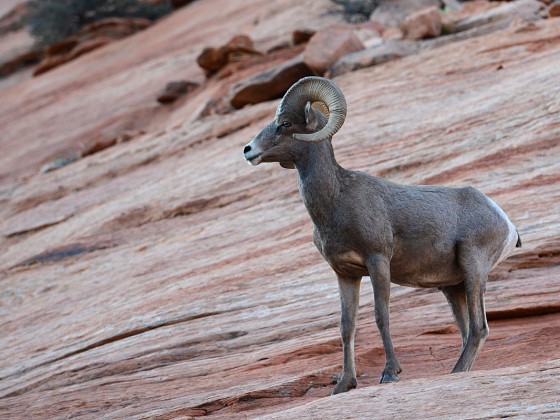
point(247, 149)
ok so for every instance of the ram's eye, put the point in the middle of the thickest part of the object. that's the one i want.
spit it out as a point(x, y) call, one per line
point(286, 124)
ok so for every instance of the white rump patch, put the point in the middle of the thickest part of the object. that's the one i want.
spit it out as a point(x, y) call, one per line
point(511, 240)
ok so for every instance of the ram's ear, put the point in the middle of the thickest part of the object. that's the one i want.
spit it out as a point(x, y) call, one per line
point(288, 165)
point(310, 117)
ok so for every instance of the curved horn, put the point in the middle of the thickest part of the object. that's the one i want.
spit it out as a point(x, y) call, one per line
point(316, 89)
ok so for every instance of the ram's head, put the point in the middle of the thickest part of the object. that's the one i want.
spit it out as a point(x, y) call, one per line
point(312, 110)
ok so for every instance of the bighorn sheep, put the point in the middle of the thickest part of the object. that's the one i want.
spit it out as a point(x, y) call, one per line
point(420, 236)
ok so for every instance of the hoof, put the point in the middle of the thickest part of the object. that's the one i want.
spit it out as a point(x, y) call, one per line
point(390, 373)
point(389, 378)
point(345, 386)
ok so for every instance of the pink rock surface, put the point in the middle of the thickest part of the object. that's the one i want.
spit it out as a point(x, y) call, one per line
point(528, 10)
point(163, 277)
point(457, 399)
point(423, 24)
point(328, 45)
point(6, 6)
point(395, 12)
point(554, 10)
point(212, 59)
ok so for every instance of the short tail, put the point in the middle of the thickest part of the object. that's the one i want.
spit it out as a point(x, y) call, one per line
point(518, 244)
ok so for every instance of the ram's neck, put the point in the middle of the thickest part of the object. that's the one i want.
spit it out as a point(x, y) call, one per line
point(318, 180)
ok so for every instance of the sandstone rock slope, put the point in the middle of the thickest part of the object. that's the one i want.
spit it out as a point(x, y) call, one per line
point(151, 273)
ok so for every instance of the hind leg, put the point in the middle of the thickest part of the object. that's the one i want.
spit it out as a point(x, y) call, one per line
point(457, 300)
point(476, 275)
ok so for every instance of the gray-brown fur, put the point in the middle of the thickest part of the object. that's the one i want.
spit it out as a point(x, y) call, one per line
point(419, 236)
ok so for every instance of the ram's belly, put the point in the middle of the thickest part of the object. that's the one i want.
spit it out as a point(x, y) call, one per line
point(426, 272)
point(423, 262)
point(439, 278)
point(419, 273)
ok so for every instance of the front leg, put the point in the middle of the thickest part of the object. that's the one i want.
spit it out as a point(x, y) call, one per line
point(349, 289)
point(379, 272)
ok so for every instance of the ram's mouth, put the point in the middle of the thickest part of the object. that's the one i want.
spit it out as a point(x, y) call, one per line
point(254, 160)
